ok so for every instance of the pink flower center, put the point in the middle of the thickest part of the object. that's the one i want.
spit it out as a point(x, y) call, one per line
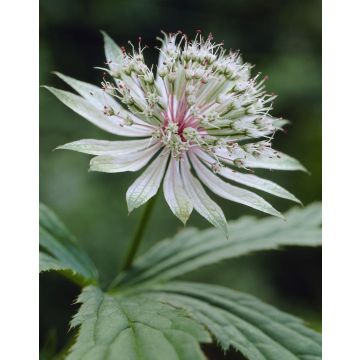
point(178, 113)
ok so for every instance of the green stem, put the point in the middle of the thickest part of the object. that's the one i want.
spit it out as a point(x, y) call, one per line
point(138, 236)
point(135, 242)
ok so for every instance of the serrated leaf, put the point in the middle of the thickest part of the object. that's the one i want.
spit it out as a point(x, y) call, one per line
point(60, 250)
point(48, 263)
point(191, 249)
point(257, 330)
point(118, 327)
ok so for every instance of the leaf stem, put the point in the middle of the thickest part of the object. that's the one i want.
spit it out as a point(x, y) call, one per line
point(138, 236)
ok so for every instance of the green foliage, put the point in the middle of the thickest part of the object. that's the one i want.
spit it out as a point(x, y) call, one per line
point(59, 251)
point(282, 38)
point(146, 316)
point(192, 248)
point(257, 330)
point(113, 326)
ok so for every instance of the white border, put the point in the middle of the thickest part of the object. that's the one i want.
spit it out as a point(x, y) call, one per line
point(19, 179)
point(341, 180)
point(19, 175)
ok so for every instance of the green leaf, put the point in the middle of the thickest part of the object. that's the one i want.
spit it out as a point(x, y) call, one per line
point(48, 263)
point(191, 248)
point(117, 327)
point(257, 330)
point(60, 251)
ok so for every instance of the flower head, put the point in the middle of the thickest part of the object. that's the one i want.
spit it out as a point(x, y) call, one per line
point(200, 120)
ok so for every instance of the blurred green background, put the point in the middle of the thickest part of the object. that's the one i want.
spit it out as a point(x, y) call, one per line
point(283, 39)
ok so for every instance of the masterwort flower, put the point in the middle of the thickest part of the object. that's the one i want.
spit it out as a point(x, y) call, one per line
point(200, 120)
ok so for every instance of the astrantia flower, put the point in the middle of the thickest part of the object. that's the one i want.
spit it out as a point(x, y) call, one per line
point(200, 120)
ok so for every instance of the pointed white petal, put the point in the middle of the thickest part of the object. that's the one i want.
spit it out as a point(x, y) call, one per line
point(175, 194)
point(147, 184)
point(249, 180)
point(100, 99)
point(279, 123)
point(161, 88)
point(123, 162)
point(113, 53)
point(159, 81)
point(135, 89)
point(180, 83)
point(230, 192)
point(224, 155)
point(93, 94)
point(282, 162)
point(203, 204)
point(110, 124)
point(258, 183)
point(210, 91)
point(104, 147)
point(114, 57)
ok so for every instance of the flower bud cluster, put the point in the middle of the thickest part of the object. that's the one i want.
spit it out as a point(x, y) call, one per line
point(201, 96)
point(171, 138)
point(200, 119)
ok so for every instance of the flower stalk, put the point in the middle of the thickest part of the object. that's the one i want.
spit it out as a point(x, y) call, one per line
point(139, 234)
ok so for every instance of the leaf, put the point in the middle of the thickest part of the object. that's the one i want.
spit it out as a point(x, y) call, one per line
point(113, 326)
point(147, 318)
point(60, 251)
point(257, 330)
point(191, 248)
point(47, 263)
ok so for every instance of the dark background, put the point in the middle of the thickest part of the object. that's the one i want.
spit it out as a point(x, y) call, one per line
point(283, 39)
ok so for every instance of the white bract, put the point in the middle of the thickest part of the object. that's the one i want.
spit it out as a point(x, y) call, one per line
point(201, 120)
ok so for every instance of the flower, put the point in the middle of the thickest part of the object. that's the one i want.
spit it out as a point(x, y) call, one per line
point(200, 120)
